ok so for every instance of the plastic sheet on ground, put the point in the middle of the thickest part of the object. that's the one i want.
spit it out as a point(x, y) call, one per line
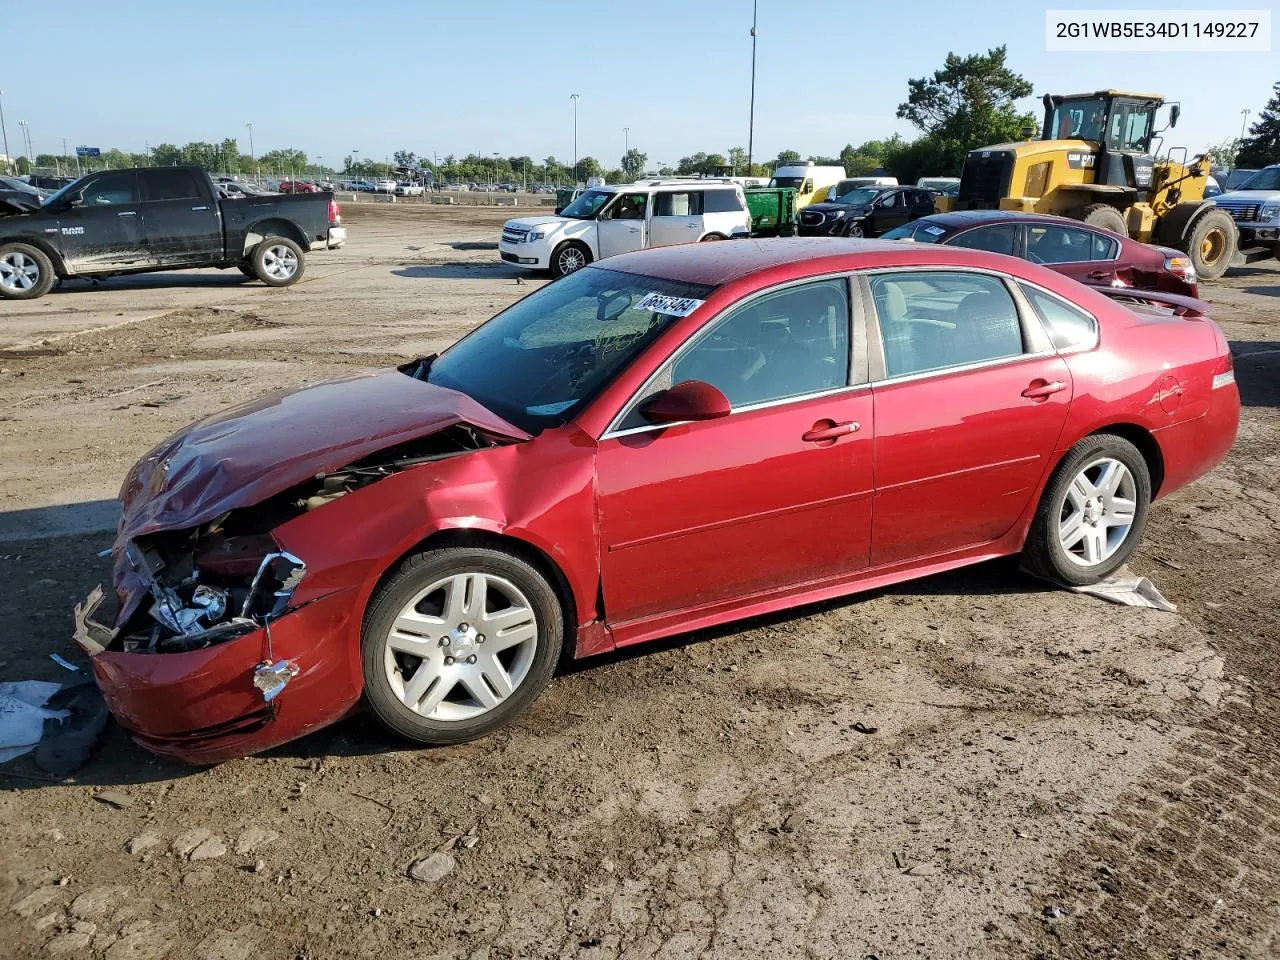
point(22, 715)
point(1125, 588)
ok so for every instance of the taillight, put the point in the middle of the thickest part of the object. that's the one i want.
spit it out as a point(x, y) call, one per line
point(335, 215)
point(1181, 267)
point(1224, 373)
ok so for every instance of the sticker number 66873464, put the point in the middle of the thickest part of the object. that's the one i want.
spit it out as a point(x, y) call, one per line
point(72, 231)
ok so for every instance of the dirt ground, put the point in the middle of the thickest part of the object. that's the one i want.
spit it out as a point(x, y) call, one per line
point(1048, 776)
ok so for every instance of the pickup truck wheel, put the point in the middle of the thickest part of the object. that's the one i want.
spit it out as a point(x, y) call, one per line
point(26, 273)
point(277, 262)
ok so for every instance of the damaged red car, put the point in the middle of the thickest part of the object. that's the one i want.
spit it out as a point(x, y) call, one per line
point(677, 438)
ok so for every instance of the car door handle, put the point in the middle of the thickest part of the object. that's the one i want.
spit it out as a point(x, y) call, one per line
point(830, 430)
point(633, 230)
point(1043, 389)
point(1100, 275)
point(127, 213)
point(199, 208)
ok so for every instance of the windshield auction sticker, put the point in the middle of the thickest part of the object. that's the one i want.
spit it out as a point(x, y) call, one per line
point(671, 306)
point(1164, 31)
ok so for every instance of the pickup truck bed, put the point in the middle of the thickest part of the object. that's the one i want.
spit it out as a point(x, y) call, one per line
point(161, 218)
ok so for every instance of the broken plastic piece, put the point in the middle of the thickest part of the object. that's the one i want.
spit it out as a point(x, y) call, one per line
point(64, 663)
point(271, 678)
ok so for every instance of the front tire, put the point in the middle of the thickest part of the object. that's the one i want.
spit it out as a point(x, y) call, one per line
point(278, 262)
point(854, 231)
point(1091, 514)
point(458, 642)
point(1103, 215)
point(26, 273)
point(568, 258)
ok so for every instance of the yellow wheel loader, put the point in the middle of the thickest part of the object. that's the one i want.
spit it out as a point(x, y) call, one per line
point(1098, 160)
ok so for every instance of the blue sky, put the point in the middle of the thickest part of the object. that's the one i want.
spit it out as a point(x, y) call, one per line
point(446, 77)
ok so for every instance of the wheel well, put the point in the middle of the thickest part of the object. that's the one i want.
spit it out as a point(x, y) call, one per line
point(275, 228)
point(1147, 446)
point(59, 268)
point(514, 545)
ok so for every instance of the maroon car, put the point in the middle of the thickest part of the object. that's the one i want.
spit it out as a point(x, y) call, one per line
point(1089, 254)
point(298, 186)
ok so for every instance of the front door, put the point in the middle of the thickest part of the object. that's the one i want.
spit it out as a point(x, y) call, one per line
point(623, 225)
point(184, 225)
point(967, 415)
point(891, 211)
point(101, 227)
point(776, 494)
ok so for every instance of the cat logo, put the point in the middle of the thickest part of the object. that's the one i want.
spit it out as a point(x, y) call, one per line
point(1081, 161)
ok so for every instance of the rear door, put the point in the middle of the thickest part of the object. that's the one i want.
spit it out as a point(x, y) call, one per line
point(623, 225)
point(970, 399)
point(184, 225)
point(891, 211)
point(1068, 250)
point(677, 218)
point(101, 227)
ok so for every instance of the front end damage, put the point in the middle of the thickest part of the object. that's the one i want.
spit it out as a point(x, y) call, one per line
point(220, 644)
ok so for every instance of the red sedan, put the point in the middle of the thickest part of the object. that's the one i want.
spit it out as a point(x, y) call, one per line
point(1092, 255)
point(298, 186)
point(677, 438)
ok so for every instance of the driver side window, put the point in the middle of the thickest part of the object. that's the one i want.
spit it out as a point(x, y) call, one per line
point(111, 189)
point(889, 200)
point(630, 206)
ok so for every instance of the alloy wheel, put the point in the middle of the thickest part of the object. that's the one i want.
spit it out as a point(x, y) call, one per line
point(18, 272)
point(571, 259)
point(1097, 512)
point(461, 647)
point(279, 262)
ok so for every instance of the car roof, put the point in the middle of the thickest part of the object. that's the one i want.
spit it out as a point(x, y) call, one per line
point(715, 264)
point(957, 219)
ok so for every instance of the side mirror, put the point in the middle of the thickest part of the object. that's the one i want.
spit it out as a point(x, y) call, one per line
point(690, 400)
point(1174, 113)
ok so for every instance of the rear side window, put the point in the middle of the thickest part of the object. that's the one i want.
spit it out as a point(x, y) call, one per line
point(932, 321)
point(1058, 244)
point(678, 204)
point(1069, 327)
point(721, 201)
point(170, 185)
point(1104, 248)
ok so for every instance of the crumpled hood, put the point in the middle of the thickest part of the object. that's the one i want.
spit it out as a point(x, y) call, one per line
point(524, 223)
point(247, 453)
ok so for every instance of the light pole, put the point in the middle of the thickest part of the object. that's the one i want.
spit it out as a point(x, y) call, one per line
point(253, 159)
point(26, 136)
point(1244, 119)
point(575, 98)
point(751, 118)
point(4, 131)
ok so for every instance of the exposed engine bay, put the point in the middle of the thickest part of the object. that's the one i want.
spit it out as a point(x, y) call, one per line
point(229, 577)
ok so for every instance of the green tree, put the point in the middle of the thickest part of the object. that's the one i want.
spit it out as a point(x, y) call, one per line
point(1262, 146)
point(738, 160)
point(633, 163)
point(969, 103)
point(588, 167)
point(229, 156)
point(405, 159)
point(289, 161)
point(787, 157)
point(1224, 154)
point(165, 155)
point(666, 172)
point(201, 154)
point(115, 159)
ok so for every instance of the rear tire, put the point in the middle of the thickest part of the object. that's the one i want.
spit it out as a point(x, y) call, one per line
point(1211, 243)
point(568, 258)
point(1091, 514)
point(473, 683)
point(1103, 215)
point(712, 237)
point(278, 262)
point(26, 272)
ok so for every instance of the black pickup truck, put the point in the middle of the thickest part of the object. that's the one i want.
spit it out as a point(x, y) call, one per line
point(161, 218)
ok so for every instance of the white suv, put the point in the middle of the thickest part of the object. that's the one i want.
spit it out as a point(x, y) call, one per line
point(606, 221)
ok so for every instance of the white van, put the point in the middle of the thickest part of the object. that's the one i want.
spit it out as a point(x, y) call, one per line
point(811, 182)
point(857, 183)
point(609, 220)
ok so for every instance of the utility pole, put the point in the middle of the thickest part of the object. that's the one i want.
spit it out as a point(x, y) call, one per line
point(253, 161)
point(1244, 119)
point(575, 98)
point(751, 121)
point(26, 136)
point(5, 131)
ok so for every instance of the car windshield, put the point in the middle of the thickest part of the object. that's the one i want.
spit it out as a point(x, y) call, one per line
point(13, 183)
point(54, 198)
point(786, 182)
point(587, 205)
point(1268, 179)
point(858, 195)
point(536, 363)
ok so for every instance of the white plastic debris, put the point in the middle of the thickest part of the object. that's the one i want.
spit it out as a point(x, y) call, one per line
point(22, 715)
point(1131, 591)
